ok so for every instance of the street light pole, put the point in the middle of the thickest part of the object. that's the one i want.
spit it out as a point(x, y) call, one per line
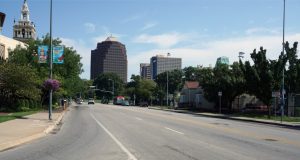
point(168, 54)
point(241, 55)
point(51, 63)
point(113, 86)
point(282, 88)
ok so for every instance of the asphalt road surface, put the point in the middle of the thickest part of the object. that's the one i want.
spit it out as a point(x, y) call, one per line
point(107, 132)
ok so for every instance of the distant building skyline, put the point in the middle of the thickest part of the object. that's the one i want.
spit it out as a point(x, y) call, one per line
point(109, 57)
point(160, 64)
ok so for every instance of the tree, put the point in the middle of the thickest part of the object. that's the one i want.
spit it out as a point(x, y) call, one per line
point(17, 82)
point(293, 73)
point(142, 89)
point(107, 83)
point(67, 73)
point(175, 80)
point(263, 76)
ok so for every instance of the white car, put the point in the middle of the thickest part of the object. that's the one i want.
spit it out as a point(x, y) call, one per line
point(91, 101)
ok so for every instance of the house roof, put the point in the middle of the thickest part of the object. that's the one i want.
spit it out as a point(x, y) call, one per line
point(191, 84)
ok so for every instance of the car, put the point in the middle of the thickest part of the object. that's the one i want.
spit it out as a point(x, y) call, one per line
point(79, 101)
point(143, 104)
point(91, 101)
point(125, 103)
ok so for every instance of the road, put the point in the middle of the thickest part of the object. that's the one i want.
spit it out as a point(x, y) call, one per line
point(106, 132)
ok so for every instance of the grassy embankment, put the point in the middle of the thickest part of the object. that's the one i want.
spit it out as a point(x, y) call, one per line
point(14, 115)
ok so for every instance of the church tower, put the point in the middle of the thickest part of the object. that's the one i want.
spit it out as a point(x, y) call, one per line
point(24, 29)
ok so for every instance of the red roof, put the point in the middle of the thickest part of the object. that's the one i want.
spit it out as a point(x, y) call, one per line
point(191, 84)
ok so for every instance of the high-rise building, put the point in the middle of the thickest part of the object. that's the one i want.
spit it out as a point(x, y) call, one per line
point(222, 60)
point(109, 56)
point(160, 64)
point(145, 71)
point(24, 29)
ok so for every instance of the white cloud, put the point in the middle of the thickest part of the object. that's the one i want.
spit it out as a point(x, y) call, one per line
point(90, 27)
point(163, 40)
point(208, 54)
point(261, 31)
point(197, 53)
point(85, 52)
point(148, 26)
point(131, 18)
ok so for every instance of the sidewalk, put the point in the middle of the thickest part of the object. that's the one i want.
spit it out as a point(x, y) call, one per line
point(19, 131)
point(224, 116)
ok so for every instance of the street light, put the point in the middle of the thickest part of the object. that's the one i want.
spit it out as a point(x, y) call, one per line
point(113, 86)
point(168, 54)
point(282, 87)
point(51, 63)
point(241, 55)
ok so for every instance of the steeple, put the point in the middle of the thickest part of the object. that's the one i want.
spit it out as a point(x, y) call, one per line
point(25, 12)
point(24, 29)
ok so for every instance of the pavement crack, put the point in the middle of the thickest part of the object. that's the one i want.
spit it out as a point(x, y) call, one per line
point(181, 152)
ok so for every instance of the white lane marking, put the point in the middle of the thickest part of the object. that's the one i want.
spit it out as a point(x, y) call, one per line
point(174, 130)
point(130, 156)
point(137, 118)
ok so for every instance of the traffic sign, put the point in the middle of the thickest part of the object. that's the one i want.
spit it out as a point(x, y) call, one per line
point(220, 94)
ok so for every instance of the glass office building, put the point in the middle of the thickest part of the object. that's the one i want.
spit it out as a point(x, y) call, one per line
point(160, 64)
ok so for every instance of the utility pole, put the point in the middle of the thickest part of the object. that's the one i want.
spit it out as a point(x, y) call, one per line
point(220, 101)
point(282, 88)
point(168, 54)
point(51, 64)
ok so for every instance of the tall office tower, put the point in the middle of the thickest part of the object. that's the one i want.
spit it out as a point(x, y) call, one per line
point(24, 29)
point(222, 60)
point(160, 64)
point(145, 71)
point(109, 56)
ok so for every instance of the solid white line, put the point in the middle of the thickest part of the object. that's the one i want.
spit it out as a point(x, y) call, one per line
point(174, 130)
point(138, 118)
point(130, 156)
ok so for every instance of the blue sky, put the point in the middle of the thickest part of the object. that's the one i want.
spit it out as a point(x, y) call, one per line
point(198, 31)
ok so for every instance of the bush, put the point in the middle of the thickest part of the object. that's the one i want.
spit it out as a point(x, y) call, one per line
point(25, 105)
point(30, 104)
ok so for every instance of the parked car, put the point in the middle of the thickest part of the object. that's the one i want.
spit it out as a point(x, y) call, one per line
point(125, 103)
point(91, 101)
point(143, 104)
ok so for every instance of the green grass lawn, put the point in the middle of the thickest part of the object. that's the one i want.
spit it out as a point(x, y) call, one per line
point(277, 118)
point(15, 115)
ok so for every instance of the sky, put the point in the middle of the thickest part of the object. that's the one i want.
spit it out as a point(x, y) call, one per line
point(198, 31)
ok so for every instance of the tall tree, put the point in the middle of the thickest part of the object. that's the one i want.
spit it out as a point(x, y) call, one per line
point(107, 83)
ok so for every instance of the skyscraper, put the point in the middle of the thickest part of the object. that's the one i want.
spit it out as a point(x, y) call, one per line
point(24, 29)
point(160, 64)
point(145, 71)
point(109, 56)
point(222, 60)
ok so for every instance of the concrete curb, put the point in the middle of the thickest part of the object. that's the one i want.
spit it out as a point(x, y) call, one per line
point(18, 142)
point(56, 122)
point(291, 126)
